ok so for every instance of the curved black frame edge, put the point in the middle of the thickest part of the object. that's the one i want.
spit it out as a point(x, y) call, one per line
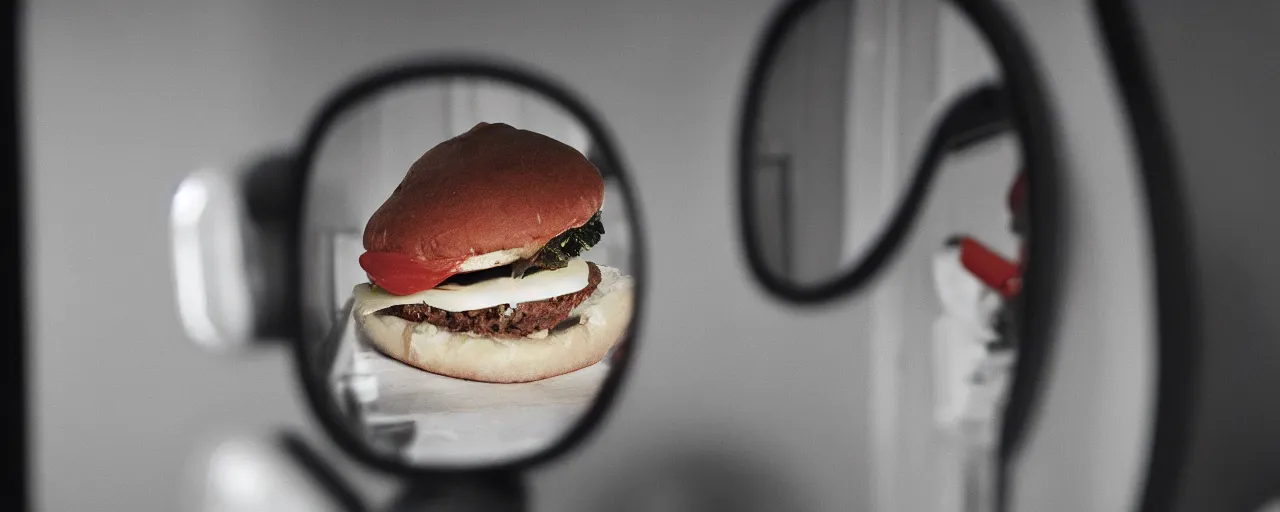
point(1177, 326)
point(367, 85)
point(984, 122)
point(15, 479)
point(1033, 121)
point(336, 488)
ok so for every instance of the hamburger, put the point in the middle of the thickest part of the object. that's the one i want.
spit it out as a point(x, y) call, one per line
point(474, 268)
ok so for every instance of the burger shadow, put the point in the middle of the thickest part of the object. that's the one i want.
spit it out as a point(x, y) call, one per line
point(689, 479)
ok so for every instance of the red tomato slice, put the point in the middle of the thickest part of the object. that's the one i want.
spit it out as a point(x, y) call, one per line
point(400, 274)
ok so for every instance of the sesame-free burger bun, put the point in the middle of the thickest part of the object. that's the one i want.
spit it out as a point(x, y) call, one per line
point(493, 195)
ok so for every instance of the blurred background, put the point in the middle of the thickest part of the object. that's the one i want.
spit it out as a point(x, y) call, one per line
point(736, 401)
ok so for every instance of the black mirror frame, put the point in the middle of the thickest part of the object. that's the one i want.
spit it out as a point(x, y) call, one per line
point(366, 86)
point(1032, 121)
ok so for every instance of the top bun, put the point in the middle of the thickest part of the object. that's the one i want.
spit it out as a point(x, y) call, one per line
point(492, 195)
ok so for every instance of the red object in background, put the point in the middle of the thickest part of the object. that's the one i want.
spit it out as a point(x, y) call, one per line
point(994, 270)
point(1017, 194)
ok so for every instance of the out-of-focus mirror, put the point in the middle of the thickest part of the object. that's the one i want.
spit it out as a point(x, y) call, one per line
point(801, 136)
point(468, 262)
point(835, 130)
point(862, 157)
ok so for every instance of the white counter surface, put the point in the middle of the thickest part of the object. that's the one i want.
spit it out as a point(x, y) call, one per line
point(463, 421)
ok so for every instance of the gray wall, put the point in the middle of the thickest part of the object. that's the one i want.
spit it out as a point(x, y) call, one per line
point(1218, 69)
point(735, 402)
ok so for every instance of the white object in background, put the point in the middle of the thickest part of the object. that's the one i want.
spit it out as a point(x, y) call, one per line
point(348, 372)
point(246, 474)
point(991, 386)
point(362, 378)
point(960, 336)
point(365, 388)
point(347, 273)
point(209, 263)
point(963, 296)
point(957, 355)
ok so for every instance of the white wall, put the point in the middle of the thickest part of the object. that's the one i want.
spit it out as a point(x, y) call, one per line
point(871, 162)
point(735, 402)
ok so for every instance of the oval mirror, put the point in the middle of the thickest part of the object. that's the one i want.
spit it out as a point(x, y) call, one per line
point(469, 268)
point(905, 171)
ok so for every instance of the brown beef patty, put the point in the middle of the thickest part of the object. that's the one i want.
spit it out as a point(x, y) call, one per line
point(526, 319)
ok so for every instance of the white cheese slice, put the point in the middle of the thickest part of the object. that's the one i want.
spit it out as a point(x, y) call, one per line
point(484, 294)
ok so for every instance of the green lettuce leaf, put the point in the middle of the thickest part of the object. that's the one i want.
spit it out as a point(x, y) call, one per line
point(564, 247)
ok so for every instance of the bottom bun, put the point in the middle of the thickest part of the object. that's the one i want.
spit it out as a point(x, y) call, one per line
point(604, 317)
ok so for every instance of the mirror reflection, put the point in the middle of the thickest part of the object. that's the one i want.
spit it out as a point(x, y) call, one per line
point(800, 141)
point(467, 271)
point(845, 112)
